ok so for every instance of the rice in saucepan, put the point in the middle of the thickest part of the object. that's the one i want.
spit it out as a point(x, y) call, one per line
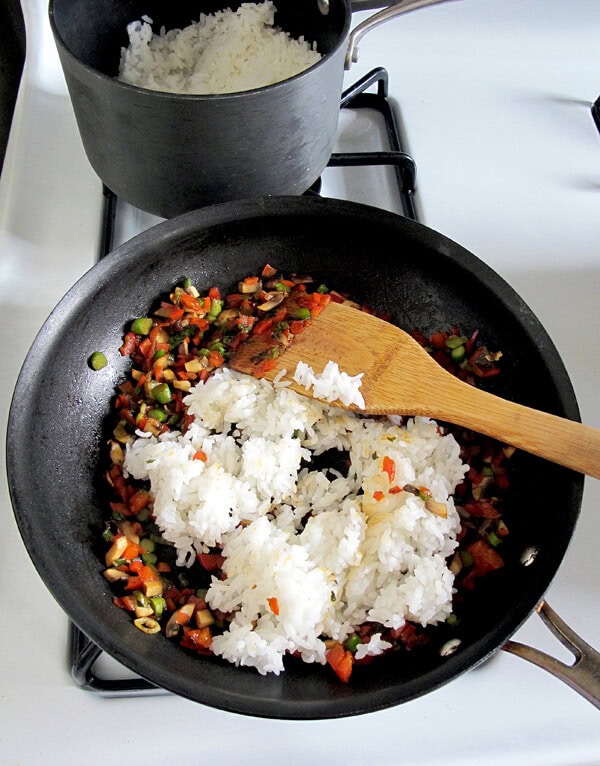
point(320, 542)
point(225, 52)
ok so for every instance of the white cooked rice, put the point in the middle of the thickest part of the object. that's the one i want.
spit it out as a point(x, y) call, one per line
point(225, 52)
point(320, 543)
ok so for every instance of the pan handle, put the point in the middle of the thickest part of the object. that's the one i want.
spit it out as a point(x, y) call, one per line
point(583, 675)
point(404, 6)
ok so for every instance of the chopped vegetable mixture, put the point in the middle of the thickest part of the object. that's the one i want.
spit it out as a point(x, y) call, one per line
point(183, 341)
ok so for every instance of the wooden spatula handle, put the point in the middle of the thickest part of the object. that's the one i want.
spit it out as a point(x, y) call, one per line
point(563, 441)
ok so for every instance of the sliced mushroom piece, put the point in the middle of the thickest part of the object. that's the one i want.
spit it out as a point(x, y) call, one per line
point(179, 618)
point(439, 509)
point(204, 618)
point(249, 287)
point(126, 527)
point(153, 588)
point(143, 611)
point(272, 300)
point(116, 454)
point(114, 575)
point(227, 318)
point(116, 550)
point(121, 434)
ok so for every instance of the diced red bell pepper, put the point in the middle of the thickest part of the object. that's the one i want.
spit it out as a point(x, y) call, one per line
point(341, 660)
point(485, 559)
point(197, 639)
point(482, 509)
point(211, 561)
point(129, 344)
point(389, 467)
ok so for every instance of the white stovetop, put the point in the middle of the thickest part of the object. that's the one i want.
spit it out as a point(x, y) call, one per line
point(495, 98)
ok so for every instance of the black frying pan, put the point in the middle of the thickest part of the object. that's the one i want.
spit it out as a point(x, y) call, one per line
point(57, 422)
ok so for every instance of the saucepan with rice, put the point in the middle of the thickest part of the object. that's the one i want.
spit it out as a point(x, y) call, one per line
point(263, 552)
point(186, 104)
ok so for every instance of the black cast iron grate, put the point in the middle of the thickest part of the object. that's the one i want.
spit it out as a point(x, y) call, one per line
point(84, 653)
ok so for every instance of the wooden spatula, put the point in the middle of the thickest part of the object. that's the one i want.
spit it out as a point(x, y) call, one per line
point(399, 377)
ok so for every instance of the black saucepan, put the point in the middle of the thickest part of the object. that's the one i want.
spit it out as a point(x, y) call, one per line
point(170, 153)
point(56, 432)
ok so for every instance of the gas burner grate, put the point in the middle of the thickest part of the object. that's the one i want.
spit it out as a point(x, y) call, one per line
point(84, 653)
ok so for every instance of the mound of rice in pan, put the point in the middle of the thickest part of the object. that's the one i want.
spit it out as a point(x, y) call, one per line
point(332, 550)
point(225, 52)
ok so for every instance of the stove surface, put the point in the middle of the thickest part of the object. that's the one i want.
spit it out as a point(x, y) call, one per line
point(495, 102)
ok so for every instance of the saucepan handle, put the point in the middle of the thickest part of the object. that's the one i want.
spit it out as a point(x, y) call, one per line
point(396, 9)
point(583, 675)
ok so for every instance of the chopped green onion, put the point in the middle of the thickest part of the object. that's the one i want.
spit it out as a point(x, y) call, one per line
point(179, 337)
point(493, 539)
point(458, 353)
point(141, 325)
point(157, 414)
point(454, 341)
point(467, 559)
point(352, 643)
point(216, 306)
point(149, 558)
point(158, 605)
point(322, 289)
point(162, 393)
point(452, 619)
point(98, 360)
point(147, 545)
point(158, 353)
point(302, 313)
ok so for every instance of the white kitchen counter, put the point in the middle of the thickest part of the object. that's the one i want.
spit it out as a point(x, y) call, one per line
point(495, 97)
